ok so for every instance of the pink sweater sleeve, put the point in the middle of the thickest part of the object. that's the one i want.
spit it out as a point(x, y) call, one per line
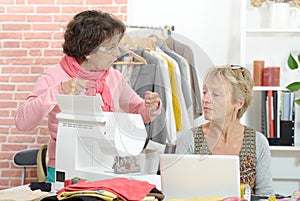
point(39, 103)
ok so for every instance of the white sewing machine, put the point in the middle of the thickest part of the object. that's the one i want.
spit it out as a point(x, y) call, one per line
point(89, 140)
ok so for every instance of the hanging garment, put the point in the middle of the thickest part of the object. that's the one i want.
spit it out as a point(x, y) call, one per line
point(144, 78)
point(183, 77)
point(187, 53)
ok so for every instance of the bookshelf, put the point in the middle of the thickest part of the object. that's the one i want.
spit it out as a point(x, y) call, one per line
point(272, 46)
point(267, 88)
point(253, 117)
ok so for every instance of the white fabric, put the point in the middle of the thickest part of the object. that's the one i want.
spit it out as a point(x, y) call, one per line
point(22, 193)
point(184, 113)
point(170, 119)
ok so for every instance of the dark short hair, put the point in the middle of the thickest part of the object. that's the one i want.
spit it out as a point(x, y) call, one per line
point(87, 30)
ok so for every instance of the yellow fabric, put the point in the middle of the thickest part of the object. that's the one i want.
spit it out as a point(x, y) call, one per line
point(202, 198)
point(104, 195)
point(40, 171)
point(175, 100)
point(272, 198)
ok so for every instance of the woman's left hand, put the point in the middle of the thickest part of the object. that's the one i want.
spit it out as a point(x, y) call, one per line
point(152, 100)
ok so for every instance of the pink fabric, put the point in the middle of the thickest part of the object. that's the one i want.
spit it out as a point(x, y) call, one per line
point(96, 79)
point(124, 188)
point(42, 103)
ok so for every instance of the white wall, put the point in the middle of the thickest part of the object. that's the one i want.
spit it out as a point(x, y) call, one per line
point(212, 24)
point(209, 26)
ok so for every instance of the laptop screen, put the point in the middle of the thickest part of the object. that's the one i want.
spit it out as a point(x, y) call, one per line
point(191, 176)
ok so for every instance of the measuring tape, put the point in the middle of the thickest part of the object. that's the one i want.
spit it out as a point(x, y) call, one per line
point(245, 191)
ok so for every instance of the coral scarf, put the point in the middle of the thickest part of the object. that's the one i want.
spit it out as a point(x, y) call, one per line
point(96, 80)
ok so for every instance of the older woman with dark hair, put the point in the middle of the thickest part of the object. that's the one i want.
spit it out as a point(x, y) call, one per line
point(227, 94)
point(90, 45)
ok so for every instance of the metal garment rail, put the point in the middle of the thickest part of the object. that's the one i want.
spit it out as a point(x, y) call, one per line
point(169, 28)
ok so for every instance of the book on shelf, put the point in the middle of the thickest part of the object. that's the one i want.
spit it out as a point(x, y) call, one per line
point(276, 112)
point(270, 113)
point(264, 112)
point(285, 114)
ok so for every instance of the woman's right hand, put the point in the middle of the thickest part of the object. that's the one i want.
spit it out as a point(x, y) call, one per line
point(73, 86)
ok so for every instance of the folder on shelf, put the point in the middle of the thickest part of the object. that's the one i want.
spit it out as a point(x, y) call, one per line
point(287, 133)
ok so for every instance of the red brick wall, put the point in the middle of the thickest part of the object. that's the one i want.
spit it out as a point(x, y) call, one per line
point(30, 41)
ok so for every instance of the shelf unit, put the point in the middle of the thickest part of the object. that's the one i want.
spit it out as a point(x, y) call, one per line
point(272, 46)
point(267, 88)
point(285, 148)
point(270, 30)
point(253, 117)
point(284, 182)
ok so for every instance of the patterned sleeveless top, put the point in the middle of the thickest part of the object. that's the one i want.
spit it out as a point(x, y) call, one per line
point(247, 154)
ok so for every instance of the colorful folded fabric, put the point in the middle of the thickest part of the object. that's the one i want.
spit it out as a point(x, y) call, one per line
point(124, 188)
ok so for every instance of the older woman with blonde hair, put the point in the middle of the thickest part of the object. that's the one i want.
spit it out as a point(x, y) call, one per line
point(227, 94)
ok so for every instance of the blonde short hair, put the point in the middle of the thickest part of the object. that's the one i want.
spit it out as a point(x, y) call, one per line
point(241, 82)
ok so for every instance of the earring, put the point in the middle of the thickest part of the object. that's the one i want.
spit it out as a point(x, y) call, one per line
point(88, 64)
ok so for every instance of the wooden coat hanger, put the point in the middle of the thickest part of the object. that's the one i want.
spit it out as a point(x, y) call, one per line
point(140, 60)
point(126, 44)
point(156, 38)
point(145, 43)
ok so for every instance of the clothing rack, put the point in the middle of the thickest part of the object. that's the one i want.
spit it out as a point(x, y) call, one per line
point(169, 28)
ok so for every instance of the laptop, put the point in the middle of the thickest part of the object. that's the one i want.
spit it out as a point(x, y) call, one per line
point(191, 176)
